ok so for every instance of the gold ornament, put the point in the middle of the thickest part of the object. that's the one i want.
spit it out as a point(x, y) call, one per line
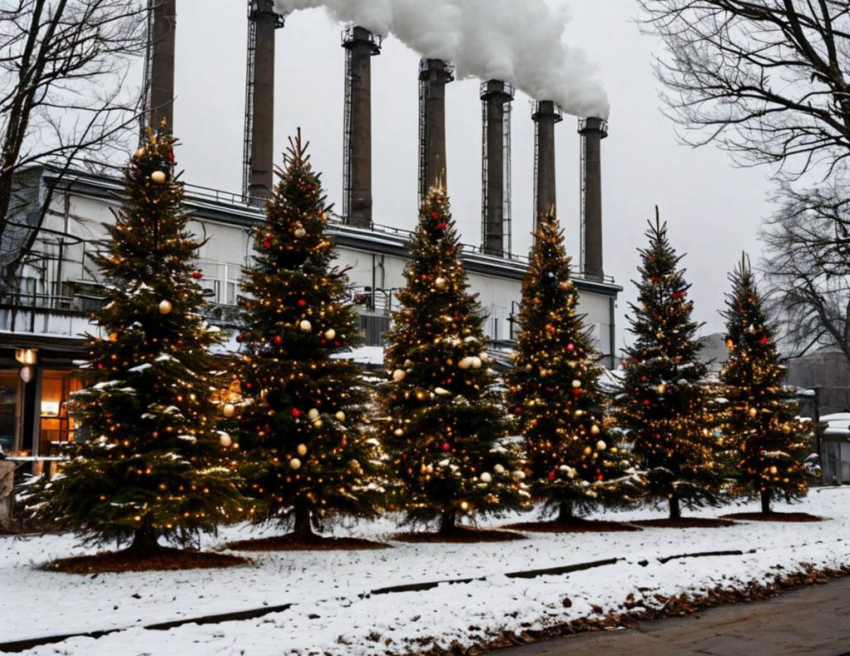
point(486, 477)
point(165, 307)
point(295, 463)
point(302, 449)
point(228, 410)
point(141, 152)
point(158, 177)
point(662, 389)
point(226, 440)
point(576, 384)
point(306, 326)
point(399, 375)
point(330, 333)
point(594, 430)
point(601, 446)
point(499, 469)
point(476, 362)
point(340, 416)
point(440, 282)
point(313, 415)
point(465, 363)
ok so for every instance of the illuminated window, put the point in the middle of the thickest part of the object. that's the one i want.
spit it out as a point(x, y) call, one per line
point(8, 409)
point(56, 426)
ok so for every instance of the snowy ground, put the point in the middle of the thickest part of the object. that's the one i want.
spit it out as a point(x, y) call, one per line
point(331, 617)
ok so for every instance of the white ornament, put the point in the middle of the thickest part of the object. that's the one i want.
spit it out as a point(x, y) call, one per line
point(499, 469)
point(158, 177)
point(519, 475)
point(486, 477)
point(306, 326)
point(576, 384)
point(476, 362)
point(313, 415)
point(601, 446)
point(442, 392)
point(295, 463)
point(465, 363)
point(398, 432)
point(330, 333)
point(165, 307)
point(228, 410)
point(300, 233)
point(302, 449)
point(226, 440)
point(399, 375)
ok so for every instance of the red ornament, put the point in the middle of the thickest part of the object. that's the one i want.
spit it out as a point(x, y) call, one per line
point(441, 225)
point(764, 340)
point(517, 410)
point(435, 215)
point(248, 304)
point(599, 476)
point(571, 347)
point(267, 243)
point(678, 295)
point(551, 476)
point(197, 275)
point(100, 366)
point(240, 338)
point(296, 412)
point(404, 456)
point(309, 187)
point(447, 447)
point(646, 401)
point(278, 340)
point(170, 156)
point(302, 302)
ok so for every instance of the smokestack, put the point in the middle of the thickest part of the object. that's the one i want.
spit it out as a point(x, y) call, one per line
point(592, 131)
point(258, 176)
point(434, 75)
point(360, 45)
point(496, 97)
point(546, 114)
point(162, 29)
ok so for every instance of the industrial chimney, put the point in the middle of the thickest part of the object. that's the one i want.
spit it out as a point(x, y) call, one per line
point(258, 153)
point(159, 64)
point(360, 45)
point(496, 97)
point(592, 131)
point(434, 75)
point(546, 114)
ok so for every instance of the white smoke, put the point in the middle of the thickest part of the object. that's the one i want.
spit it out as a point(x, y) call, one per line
point(519, 41)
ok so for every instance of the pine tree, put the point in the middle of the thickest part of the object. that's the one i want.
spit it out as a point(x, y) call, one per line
point(307, 457)
point(771, 444)
point(574, 462)
point(444, 420)
point(153, 465)
point(662, 403)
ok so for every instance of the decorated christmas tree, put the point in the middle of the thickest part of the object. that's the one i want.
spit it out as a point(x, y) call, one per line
point(662, 403)
point(306, 455)
point(574, 462)
point(153, 464)
point(444, 418)
point(770, 443)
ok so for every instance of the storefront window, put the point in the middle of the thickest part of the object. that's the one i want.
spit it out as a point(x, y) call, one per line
point(8, 409)
point(56, 426)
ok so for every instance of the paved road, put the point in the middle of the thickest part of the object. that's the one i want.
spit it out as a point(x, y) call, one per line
point(814, 621)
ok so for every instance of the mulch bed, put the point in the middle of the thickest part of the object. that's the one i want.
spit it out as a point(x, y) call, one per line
point(129, 560)
point(298, 543)
point(460, 535)
point(793, 517)
point(684, 522)
point(575, 526)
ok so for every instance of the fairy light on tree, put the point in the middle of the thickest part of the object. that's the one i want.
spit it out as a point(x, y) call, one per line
point(662, 403)
point(306, 455)
point(444, 417)
point(574, 462)
point(154, 465)
point(769, 442)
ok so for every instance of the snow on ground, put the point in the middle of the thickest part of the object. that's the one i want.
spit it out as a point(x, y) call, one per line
point(330, 617)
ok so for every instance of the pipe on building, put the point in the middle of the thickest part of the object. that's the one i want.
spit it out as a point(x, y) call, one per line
point(362, 45)
point(434, 75)
point(546, 115)
point(593, 131)
point(163, 40)
point(496, 96)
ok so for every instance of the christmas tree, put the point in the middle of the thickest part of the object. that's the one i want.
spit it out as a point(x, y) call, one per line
point(662, 404)
point(306, 455)
point(574, 462)
point(153, 464)
point(771, 444)
point(444, 423)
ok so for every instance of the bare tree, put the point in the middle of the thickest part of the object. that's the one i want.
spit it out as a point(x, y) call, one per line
point(765, 79)
point(63, 67)
point(808, 251)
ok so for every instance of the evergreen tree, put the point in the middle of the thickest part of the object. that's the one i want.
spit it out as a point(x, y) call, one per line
point(771, 444)
point(306, 455)
point(153, 464)
point(662, 402)
point(574, 462)
point(444, 419)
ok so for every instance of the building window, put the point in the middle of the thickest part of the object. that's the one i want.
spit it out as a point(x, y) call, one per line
point(56, 427)
point(9, 409)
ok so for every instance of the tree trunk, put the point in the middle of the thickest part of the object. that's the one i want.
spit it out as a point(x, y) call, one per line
point(448, 523)
point(303, 521)
point(565, 513)
point(675, 507)
point(766, 498)
point(145, 541)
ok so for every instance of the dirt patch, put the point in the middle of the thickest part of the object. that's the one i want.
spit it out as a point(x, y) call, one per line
point(298, 543)
point(131, 560)
point(574, 526)
point(684, 522)
point(460, 536)
point(792, 517)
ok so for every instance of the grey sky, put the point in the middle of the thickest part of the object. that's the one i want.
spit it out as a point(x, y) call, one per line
point(713, 209)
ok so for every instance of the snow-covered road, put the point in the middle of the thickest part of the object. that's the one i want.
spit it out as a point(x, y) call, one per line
point(330, 617)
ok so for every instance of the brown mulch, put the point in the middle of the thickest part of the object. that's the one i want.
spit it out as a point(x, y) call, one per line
point(575, 526)
point(130, 560)
point(776, 517)
point(635, 610)
point(459, 535)
point(298, 543)
point(684, 522)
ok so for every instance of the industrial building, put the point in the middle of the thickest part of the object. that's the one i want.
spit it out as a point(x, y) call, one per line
point(44, 320)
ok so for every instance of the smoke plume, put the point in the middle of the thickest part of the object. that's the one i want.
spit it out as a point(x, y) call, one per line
point(519, 41)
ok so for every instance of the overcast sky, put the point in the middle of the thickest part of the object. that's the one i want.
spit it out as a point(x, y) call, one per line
point(713, 209)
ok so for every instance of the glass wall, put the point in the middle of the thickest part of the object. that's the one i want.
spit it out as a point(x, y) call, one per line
point(9, 409)
point(56, 426)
